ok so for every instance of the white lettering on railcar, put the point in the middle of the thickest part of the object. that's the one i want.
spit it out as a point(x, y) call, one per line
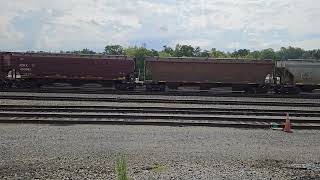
point(27, 65)
point(25, 69)
point(23, 65)
point(306, 76)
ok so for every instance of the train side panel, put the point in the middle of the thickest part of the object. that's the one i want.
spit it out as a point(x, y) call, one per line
point(72, 67)
point(229, 71)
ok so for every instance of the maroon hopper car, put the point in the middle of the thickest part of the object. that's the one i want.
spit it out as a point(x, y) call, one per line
point(48, 68)
point(240, 74)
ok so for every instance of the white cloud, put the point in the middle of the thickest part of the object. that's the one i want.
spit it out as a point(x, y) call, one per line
point(224, 24)
point(202, 43)
point(234, 45)
point(307, 44)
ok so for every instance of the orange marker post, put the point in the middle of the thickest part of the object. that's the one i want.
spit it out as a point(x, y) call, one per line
point(287, 125)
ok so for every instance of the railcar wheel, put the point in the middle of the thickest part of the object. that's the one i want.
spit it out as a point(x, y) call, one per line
point(288, 90)
point(294, 90)
point(8, 84)
point(124, 87)
point(277, 91)
point(119, 86)
point(262, 90)
point(173, 87)
point(2, 85)
point(131, 87)
point(307, 89)
point(162, 87)
point(148, 87)
point(250, 90)
point(156, 87)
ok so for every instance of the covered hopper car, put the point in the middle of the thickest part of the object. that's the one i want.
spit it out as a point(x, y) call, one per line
point(240, 74)
point(29, 70)
point(298, 75)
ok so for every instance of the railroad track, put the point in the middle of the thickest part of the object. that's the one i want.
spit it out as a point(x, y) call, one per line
point(168, 93)
point(159, 116)
point(166, 101)
point(160, 110)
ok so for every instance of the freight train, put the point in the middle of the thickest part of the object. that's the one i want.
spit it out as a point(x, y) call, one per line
point(31, 70)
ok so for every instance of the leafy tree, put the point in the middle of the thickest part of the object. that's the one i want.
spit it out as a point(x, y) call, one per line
point(87, 51)
point(268, 54)
point(197, 52)
point(154, 52)
point(290, 53)
point(255, 55)
point(316, 54)
point(205, 53)
point(217, 54)
point(164, 54)
point(184, 51)
point(140, 53)
point(242, 53)
point(83, 51)
point(308, 55)
point(311, 54)
point(168, 51)
point(114, 50)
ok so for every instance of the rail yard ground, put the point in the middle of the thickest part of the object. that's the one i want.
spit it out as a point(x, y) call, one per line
point(90, 151)
point(78, 136)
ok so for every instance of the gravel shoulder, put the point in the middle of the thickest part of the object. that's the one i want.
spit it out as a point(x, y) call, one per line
point(90, 151)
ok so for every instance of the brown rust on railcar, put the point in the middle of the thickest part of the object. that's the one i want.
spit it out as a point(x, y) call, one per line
point(200, 70)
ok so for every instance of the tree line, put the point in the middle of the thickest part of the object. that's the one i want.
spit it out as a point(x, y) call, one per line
point(283, 53)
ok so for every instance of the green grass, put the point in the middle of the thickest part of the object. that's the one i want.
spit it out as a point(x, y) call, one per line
point(121, 168)
point(160, 168)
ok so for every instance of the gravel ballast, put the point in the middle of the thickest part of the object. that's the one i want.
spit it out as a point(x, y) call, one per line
point(243, 99)
point(90, 151)
point(175, 105)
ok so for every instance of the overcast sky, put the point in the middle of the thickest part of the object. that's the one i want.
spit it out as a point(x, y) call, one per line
point(224, 24)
